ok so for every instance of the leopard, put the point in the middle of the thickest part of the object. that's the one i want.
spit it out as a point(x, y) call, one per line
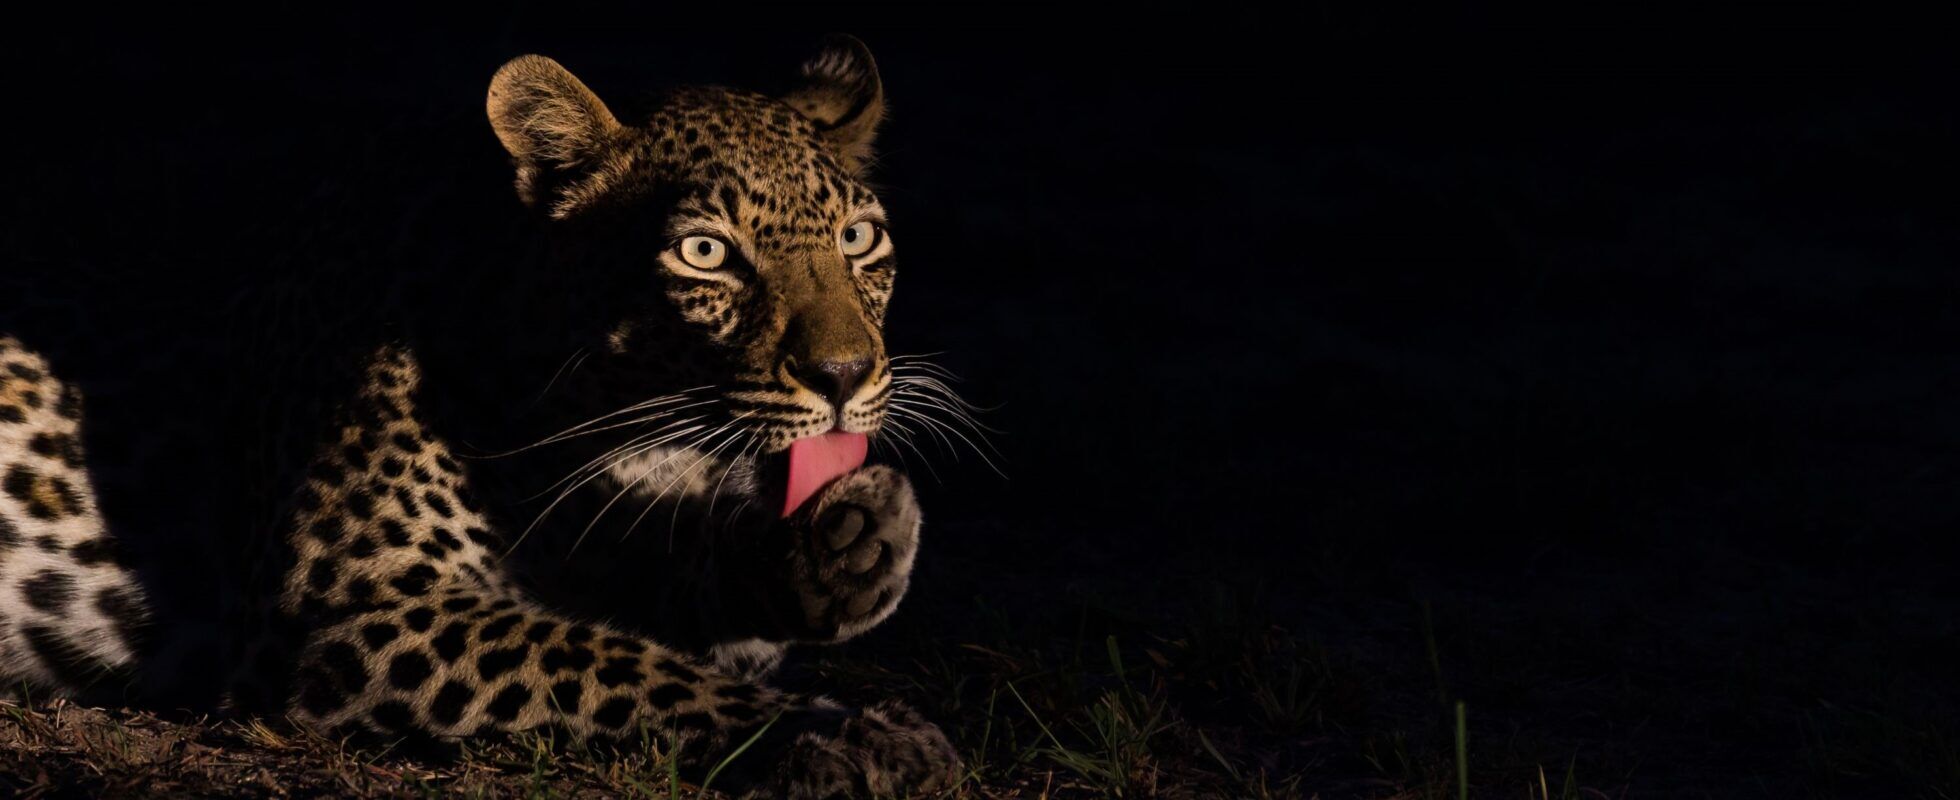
point(385, 529)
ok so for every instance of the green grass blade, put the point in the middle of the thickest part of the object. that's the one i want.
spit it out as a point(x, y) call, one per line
point(674, 773)
point(1116, 659)
point(1220, 757)
point(706, 782)
point(1462, 754)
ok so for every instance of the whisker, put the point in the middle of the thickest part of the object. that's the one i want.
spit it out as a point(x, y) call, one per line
point(633, 484)
point(943, 397)
point(956, 414)
point(629, 444)
point(904, 435)
point(925, 368)
point(920, 390)
point(636, 421)
point(697, 462)
point(953, 414)
point(588, 479)
point(945, 444)
point(932, 423)
point(671, 484)
point(578, 355)
point(734, 516)
point(732, 462)
point(579, 429)
point(915, 356)
point(922, 384)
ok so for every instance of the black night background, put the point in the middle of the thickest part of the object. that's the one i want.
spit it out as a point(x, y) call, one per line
point(1595, 372)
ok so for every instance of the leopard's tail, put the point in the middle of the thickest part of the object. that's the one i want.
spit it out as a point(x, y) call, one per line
point(72, 612)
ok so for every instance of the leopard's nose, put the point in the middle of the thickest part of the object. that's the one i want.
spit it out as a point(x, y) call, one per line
point(836, 381)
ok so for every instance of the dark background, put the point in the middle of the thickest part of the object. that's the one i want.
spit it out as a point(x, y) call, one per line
point(1596, 371)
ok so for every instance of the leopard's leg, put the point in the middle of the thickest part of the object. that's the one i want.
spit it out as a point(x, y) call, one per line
point(462, 661)
point(834, 569)
point(410, 625)
point(853, 558)
point(71, 608)
point(846, 563)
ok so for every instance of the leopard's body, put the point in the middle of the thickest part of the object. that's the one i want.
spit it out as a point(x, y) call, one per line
point(389, 575)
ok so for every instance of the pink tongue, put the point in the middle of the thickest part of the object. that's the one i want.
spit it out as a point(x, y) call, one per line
point(817, 460)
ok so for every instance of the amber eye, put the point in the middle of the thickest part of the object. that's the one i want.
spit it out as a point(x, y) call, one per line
point(859, 239)
point(703, 252)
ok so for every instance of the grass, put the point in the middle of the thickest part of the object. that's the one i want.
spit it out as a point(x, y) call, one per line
point(1845, 747)
point(1116, 732)
point(1227, 705)
point(1041, 723)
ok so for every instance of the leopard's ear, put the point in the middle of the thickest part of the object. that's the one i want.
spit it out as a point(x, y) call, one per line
point(840, 91)
point(555, 129)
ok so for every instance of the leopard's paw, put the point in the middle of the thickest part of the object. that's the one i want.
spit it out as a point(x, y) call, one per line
point(853, 551)
point(887, 750)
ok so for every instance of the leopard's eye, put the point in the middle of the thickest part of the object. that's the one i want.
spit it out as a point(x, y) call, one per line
point(859, 239)
point(703, 252)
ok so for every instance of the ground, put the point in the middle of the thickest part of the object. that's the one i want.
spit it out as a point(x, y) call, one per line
point(1093, 704)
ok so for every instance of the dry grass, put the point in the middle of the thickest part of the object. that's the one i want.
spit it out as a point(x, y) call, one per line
point(1226, 705)
point(1253, 713)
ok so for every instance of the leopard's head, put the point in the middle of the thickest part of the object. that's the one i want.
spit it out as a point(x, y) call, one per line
point(747, 264)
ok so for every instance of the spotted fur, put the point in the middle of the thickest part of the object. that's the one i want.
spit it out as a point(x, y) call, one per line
point(408, 589)
point(74, 611)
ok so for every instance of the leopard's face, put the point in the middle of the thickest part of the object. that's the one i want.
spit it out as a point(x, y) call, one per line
point(766, 261)
point(778, 255)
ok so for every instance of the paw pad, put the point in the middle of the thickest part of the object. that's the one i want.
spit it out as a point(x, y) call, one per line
point(844, 524)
